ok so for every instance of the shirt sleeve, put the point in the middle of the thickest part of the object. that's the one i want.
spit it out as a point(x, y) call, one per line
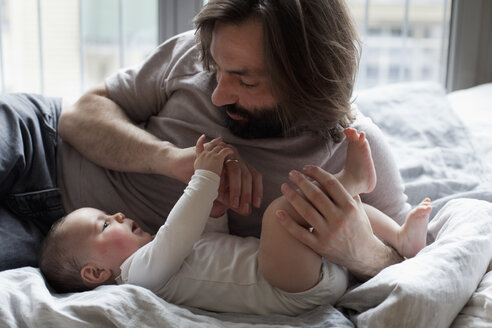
point(140, 90)
point(152, 265)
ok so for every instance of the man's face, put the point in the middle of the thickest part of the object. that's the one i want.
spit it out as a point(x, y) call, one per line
point(105, 239)
point(243, 84)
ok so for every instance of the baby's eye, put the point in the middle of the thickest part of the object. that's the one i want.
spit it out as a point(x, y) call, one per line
point(105, 224)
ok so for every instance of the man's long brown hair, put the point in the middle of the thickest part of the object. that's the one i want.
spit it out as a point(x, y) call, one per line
point(311, 52)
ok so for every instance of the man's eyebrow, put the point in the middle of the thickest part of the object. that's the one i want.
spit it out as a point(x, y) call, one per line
point(239, 72)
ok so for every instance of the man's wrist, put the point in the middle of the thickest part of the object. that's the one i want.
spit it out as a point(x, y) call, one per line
point(380, 258)
point(173, 162)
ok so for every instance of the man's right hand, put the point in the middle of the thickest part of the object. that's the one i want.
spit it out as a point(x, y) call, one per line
point(341, 230)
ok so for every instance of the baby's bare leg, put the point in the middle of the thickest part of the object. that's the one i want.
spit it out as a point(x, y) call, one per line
point(408, 239)
point(284, 261)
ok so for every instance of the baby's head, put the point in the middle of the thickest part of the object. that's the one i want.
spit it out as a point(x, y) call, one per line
point(86, 248)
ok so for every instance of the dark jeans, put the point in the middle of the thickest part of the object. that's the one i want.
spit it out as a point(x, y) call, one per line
point(29, 198)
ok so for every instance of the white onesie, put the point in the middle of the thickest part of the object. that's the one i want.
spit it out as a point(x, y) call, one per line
point(194, 263)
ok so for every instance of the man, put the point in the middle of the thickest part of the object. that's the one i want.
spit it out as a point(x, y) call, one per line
point(274, 79)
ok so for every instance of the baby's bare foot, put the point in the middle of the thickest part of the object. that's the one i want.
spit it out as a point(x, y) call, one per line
point(358, 175)
point(413, 234)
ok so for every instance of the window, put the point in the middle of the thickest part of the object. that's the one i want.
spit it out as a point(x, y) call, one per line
point(411, 36)
point(63, 47)
point(115, 34)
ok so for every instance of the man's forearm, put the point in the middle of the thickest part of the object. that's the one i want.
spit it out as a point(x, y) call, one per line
point(101, 131)
point(375, 261)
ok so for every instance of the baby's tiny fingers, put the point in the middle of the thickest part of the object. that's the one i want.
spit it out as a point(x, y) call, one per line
point(212, 143)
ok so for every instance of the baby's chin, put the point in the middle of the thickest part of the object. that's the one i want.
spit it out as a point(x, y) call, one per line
point(149, 237)
point(145, 238)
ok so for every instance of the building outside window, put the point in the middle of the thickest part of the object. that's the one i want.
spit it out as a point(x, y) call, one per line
point(407, 40)
point(63, 47)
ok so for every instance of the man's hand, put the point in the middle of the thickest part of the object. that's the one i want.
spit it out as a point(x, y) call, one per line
point(341, 230)
point(242, 185)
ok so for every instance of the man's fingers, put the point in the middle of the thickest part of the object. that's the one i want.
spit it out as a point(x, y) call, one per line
point(316, 197)
point(241, 185)
point(224, 152)
point(246, 190)
point(234, 175)
point(330, 185)
point(303, 207)
point(257, 188)
point(223, 191)
point(298, 232)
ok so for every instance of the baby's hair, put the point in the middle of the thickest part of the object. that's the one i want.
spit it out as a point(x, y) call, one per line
point(58, 262)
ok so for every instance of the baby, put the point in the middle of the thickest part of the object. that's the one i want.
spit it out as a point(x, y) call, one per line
point(193, 261)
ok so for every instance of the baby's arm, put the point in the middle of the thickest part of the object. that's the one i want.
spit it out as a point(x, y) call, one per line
point(152, 265)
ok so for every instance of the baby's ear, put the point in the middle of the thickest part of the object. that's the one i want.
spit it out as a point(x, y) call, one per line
point(94, 275)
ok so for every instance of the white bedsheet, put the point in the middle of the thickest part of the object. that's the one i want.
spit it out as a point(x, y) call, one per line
point(440, 152)
point(430, 289)
point(474, 108)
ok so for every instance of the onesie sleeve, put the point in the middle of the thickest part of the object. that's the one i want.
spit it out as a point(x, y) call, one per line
point(152, 265)
point(220, 224)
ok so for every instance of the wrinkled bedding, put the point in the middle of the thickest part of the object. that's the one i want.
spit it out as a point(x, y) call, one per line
point(443, 146)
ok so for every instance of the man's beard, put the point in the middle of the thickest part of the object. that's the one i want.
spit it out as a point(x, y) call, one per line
point(260, 123)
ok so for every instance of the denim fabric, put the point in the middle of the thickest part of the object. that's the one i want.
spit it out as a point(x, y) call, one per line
point(29, 198)
point(20, 241)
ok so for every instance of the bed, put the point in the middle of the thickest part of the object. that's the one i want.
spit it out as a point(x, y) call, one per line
point(443, 146)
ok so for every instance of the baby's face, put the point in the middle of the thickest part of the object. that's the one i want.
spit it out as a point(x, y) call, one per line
point(106, 239)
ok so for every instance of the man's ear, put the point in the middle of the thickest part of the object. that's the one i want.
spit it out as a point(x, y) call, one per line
point(95, 275)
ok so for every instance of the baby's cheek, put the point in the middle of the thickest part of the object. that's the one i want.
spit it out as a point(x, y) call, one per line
point(124, 246)
point(128, 247)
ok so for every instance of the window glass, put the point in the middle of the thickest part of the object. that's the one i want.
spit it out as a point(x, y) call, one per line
point(20, 46)
point(116, 34)
point(63, 47)
point(410, 37)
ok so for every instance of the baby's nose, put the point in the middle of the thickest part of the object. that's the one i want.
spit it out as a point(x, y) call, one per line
point(119, 217)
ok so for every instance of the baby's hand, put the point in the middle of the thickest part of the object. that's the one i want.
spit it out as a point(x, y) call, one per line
point(211, 156)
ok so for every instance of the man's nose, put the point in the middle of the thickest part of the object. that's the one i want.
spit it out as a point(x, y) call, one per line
point(224, 93)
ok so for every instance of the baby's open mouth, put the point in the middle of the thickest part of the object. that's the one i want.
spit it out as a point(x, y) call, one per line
point(134, 226)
